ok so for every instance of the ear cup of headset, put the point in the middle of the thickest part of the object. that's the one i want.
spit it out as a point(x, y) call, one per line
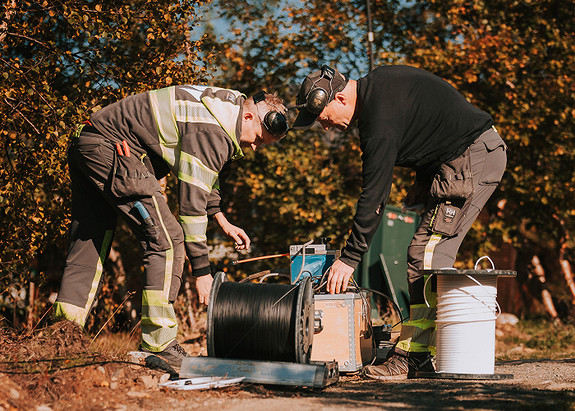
point(317, 100)
point(276, 123)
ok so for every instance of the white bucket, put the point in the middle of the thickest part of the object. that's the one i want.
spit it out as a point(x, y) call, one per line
point(466, 314)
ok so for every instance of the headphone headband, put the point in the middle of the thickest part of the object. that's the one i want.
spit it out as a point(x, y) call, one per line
point(318, 97)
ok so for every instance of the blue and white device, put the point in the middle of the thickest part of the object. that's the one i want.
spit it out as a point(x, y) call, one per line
point(313, 260)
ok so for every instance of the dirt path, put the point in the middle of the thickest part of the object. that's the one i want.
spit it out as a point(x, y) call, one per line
point(57, 371)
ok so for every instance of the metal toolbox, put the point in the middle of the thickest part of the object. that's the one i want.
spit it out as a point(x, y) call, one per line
point(343, 330)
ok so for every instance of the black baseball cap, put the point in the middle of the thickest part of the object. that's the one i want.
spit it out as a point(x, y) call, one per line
point(328, 79)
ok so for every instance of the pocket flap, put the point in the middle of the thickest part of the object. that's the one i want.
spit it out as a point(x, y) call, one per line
point(494, 142)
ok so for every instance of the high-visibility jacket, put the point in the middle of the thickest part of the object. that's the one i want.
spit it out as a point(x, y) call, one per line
point(192, 131)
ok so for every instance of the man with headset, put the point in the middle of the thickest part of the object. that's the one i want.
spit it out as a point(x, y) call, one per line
point(411, 118)
point(116, 159)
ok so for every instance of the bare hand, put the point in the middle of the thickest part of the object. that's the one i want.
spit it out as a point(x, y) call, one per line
point(237, 234)
point(204, 286)
point(338, 277)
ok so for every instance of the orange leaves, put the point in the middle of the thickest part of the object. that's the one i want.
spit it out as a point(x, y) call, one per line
point(64, 60)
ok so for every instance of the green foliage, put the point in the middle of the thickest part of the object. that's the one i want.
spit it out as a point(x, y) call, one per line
point(296, 190)
point(62, 60)
point(307, 185)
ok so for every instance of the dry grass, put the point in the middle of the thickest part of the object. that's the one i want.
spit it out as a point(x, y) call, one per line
point(115, 344)
point(535, 339)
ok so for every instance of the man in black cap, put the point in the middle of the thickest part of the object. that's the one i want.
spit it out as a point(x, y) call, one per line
point(411, 118)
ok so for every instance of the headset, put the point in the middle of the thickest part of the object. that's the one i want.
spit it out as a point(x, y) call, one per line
point(274, 122)
point(317, 97)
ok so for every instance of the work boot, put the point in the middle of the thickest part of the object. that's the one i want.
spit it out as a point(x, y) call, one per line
point(399, 366)
point(173, 355)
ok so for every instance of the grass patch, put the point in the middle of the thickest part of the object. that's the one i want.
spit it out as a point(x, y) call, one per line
point(535, 339)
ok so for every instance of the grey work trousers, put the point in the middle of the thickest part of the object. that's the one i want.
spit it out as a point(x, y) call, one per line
point(105, 185)
point(429, 250)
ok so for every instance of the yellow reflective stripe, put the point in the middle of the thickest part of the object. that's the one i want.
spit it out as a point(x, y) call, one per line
point(194, 228)
point(190, 112)
point(162, 322)
point(422, 324)
point(429, 249)
point(159, 323)
point(79, 314)
point(153, 297)
point(169, 253)
point(411, 346)
point(70, 312)
point(99, 269)
point(418, 334)
point(162, 102)
point(216, 184)
point(195, 238)
point(194, 172)
point(161, 328)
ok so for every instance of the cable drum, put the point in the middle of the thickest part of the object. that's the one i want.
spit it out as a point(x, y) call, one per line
point(266, 322)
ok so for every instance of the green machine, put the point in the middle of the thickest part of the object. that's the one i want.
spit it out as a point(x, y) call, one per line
point(384, 267)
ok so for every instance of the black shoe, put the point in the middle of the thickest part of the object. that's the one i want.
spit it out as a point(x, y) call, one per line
point(419, 362)
point(173, 355)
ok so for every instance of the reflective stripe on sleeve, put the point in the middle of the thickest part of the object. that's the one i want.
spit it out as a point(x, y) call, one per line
point(194, 172)
point(194, 228)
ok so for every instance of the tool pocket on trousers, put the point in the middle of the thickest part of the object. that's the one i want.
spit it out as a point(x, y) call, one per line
point(495, 161)
point(454, 179)
point(131, 178)
point(154, 236)
point(448, 216)
point(156, 239)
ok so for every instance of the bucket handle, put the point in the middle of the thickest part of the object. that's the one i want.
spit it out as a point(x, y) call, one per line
point(490, 260)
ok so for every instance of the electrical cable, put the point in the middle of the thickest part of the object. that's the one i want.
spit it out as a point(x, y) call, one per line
point(261, 321)
point(302, 259)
